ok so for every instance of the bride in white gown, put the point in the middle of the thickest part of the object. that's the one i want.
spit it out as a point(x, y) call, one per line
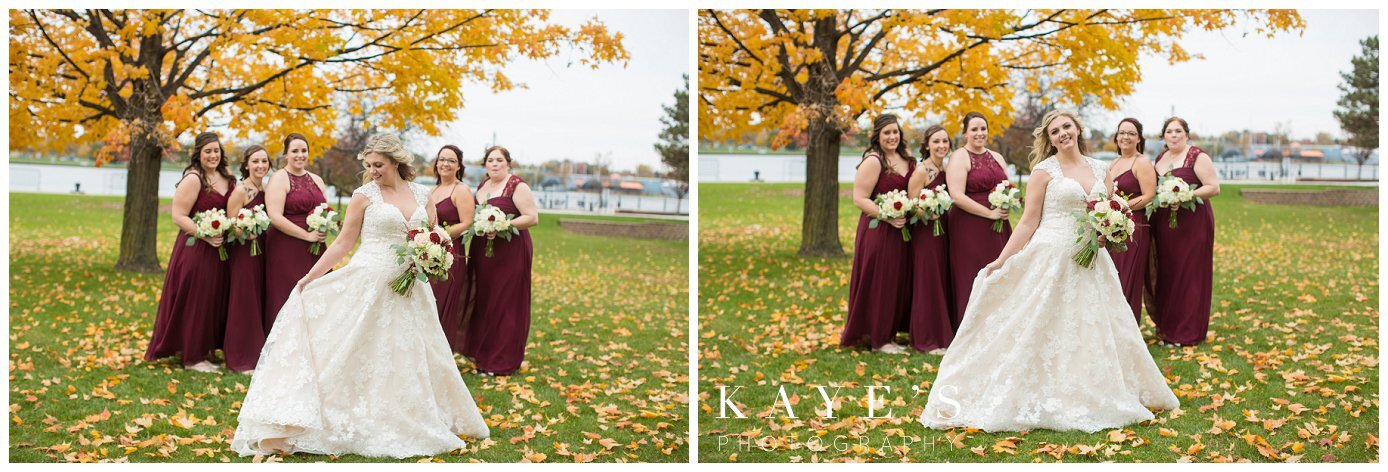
point(351, 367)
point(1046, 343)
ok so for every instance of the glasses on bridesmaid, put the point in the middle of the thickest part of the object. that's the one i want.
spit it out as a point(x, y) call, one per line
point(1128, 133)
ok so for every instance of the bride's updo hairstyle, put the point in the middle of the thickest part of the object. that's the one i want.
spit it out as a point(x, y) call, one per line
point(1041, 146)
point(389, 145)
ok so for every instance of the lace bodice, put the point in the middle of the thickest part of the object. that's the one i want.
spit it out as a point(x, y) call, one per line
point(1064, 197)
point(384, 225)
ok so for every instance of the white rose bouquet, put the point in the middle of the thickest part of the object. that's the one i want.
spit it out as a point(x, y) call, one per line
point(323, 218)
point(210, 224)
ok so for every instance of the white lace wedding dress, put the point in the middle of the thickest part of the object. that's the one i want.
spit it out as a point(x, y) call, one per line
point(1045, 343)
point(351, 367)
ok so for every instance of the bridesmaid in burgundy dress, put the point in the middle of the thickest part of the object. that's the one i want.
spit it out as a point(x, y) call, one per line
point(1132, 175)
point(500, 321)
point(454, 206)
point(193, 305)
point(246, 328)
point(931, 326)
point(1180, 304)
point(289, 198)
point(972, 173)
point(879, 288)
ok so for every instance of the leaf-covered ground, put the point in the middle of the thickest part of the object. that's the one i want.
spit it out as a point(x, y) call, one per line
point(605, 377)
point(1290, 371)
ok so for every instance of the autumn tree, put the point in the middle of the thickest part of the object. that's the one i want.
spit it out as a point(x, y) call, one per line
point(1358, 105)
point(815, 73)
point(135, 80)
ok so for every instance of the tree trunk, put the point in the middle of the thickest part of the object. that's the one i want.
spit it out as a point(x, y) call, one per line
point(819, 229)
point(139, 224)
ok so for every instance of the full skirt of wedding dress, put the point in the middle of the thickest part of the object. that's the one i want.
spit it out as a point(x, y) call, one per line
point(1047, 344)
point(352, 367)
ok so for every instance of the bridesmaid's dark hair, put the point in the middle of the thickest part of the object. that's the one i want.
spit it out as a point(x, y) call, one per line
point(456, 151)
point(1141, 144)
point(925, 140)
point(970, 117)
point(504, 153)
point(203, 139)
point(875, 140)
point(1184, 127)
point(246, 159)
point(289, 139)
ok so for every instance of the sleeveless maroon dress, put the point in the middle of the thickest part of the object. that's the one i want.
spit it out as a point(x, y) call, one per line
point(879, 288)
point(930, 325)
point(972, 242)
point(1132, 263)
point(246, 328)
point(451, 294)
point(287, 257)
point(193, 304)
point(499, 324)
point(1184, 266)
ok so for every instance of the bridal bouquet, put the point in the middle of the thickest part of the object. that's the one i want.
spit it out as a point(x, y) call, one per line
point(210, 224)
point(1005, 197)
point(490, 221)
point(892, 205)
point(1108, 223)
point(252, 222)
point(1175, 193)
point(932, 204)
point(427, 252)
point(324, 219)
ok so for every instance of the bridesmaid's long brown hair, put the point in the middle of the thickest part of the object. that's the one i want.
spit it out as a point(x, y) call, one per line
point(875, 140)
point(203, 139)
point(1141, 145)
point(289, 139)
point(457, 152)
point(246, 159)
point(1184, 127)
point(504, 153)
point(925, 140)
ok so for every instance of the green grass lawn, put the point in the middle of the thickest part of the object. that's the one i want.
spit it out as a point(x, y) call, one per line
point(1289, 373)
point(605, 377)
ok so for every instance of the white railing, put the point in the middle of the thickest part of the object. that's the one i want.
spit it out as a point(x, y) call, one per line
point(41, 178)
point(610, 202)
point(791, 168)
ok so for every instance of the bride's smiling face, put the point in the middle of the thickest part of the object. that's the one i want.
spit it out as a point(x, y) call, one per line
point(1063, 132)
point(378, 166)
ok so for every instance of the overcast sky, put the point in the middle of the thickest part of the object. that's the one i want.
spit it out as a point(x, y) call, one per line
point(1254, 82)
point(576, 112)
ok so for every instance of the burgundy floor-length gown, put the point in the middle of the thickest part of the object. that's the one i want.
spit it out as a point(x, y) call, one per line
point(499, 323)
point(289, 259)
point(1184, 267)
point(972, 242)
point(451, 294)
point(193, 304)
point(1132, 263)
point(879, 288)
point(930, 323)
point(246, 328)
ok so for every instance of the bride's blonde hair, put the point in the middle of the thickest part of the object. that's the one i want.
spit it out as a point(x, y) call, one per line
point(389, 145)
point(1041, 146)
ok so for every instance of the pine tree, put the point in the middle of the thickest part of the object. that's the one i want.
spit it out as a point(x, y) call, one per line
point(1358, 112)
